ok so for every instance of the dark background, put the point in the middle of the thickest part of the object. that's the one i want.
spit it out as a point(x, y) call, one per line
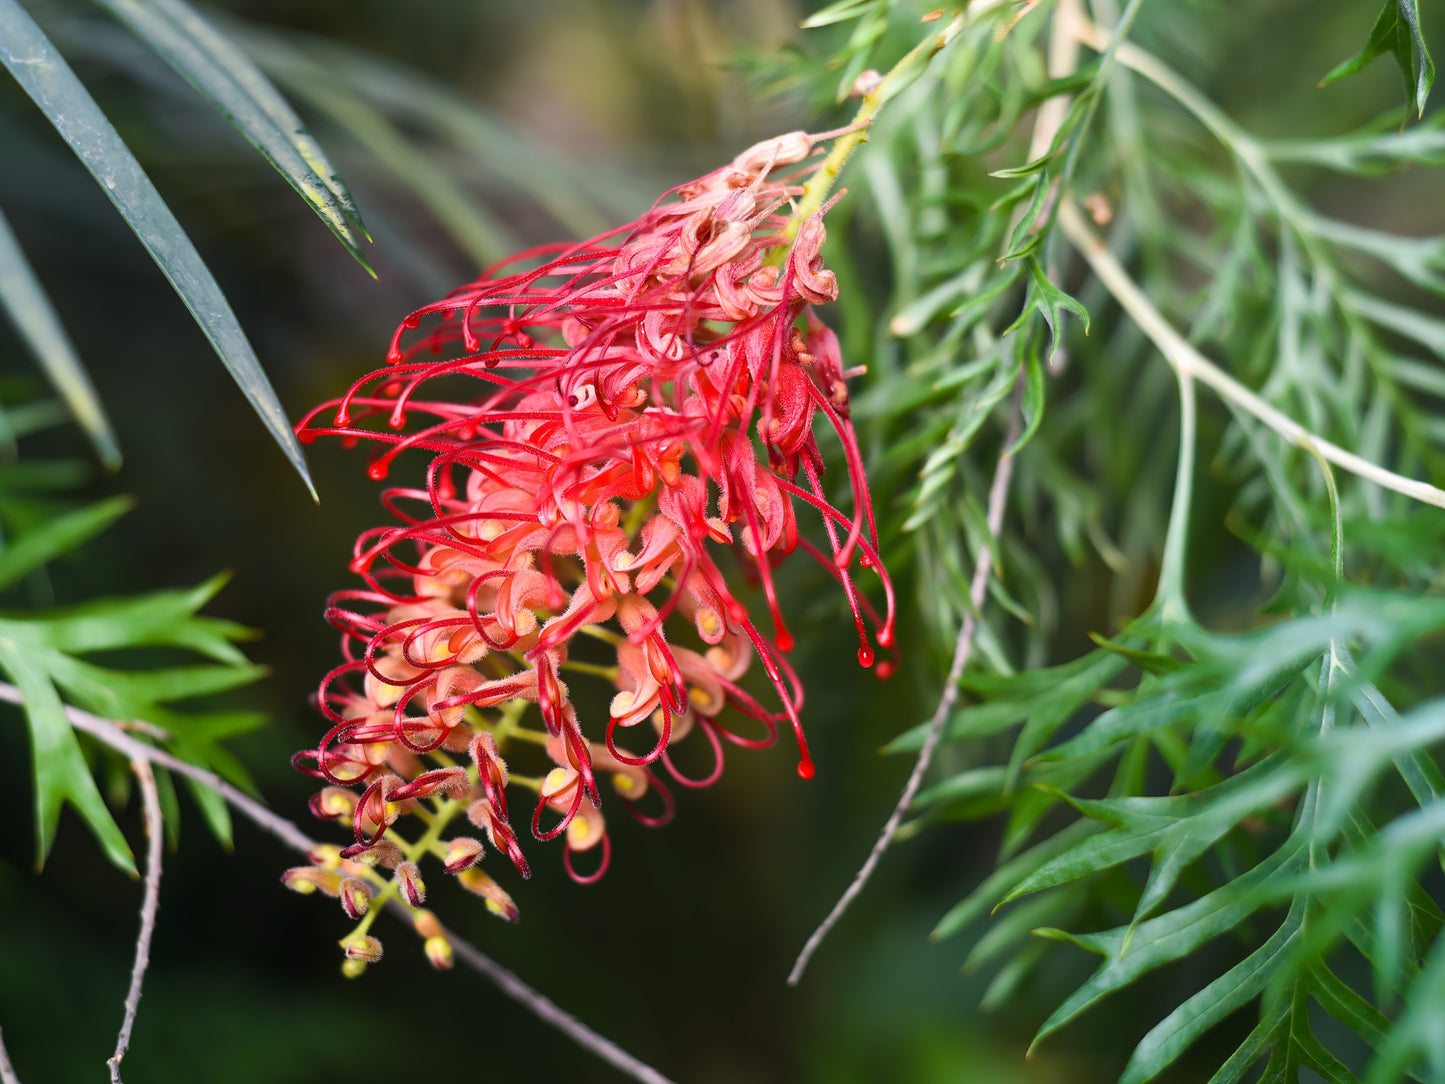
point(680, 953)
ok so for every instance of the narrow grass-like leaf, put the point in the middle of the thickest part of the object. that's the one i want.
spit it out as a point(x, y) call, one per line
point(43, 74)
point(230, 79)
point(39, 325)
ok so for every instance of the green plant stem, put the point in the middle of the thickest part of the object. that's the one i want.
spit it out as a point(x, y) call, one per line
point(1173, 602)
point(1185, 359)
point(898, 78)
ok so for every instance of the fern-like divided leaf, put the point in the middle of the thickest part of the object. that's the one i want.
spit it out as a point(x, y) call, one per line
point(1269, 743)
point(61, 656)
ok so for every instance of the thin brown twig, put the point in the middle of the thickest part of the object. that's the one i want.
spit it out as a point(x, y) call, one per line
point(7, 1071)
point(150, 904)
point(963, 647)
point(542, 1007)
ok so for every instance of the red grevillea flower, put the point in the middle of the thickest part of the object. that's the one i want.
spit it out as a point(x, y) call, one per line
point(617, 429)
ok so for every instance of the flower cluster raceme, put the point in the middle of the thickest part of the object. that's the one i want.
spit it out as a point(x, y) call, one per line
point(641, 438)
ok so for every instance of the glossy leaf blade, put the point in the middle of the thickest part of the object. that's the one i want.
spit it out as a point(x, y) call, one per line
point(220, 71)
point(43, 74)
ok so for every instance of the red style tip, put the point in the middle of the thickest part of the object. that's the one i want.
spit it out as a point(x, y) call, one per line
point(885, 669)
point(377, 471)
point(885, 636)
point(865, 656)
point(806, 770)
point(784, 640)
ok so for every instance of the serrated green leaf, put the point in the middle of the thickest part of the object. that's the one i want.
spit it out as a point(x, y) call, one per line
point(159, 619)
point(1050, 302)
point(60, 535)
point(35, 318)
point(1151, 662)
point(44, 75)
point(228, 77)
point(1168, 1039)
point(1164, 939)
point(60, 771)
point(986, 896)
point(1397, 32)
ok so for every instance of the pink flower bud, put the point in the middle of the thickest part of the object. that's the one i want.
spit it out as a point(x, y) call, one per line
point(439, 952)
point(309, 879)
point(496, 897)
point(462, 853)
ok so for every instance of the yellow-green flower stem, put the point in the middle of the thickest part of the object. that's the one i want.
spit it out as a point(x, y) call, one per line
point(442, 814)
point(899, 77)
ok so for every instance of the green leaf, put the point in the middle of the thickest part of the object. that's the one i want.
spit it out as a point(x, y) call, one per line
point(1420, 1029)
point(1038, 165)
point(57, 536)
point(1169, 1038)
point(1397, 32)
point(1161, 940)
point(43, 74)
point(1031, 406)
point(985, 897)
point(1050, 302)
point(33, 316)
point(838, 12)
point(159, 619)
point(230, 79)
point(61, 773)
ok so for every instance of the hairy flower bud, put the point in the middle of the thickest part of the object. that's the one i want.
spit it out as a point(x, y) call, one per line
point(355, 896)
point(309, 879)
point(410, 885)
point(362, 947)
point(462, 853)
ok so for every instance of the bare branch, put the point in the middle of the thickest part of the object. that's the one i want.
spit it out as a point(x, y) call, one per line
point(7, 1071)
point(150, 904)
point(997, 496)
point(548, 1011)
point(1187, 361)
point(545, 1009)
